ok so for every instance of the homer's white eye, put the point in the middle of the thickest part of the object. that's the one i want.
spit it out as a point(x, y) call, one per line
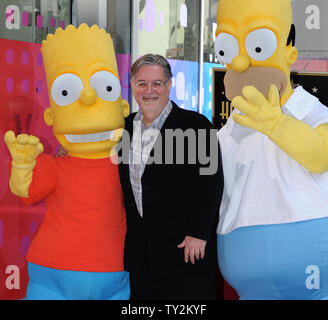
point(106, 85)
point(261, 44)
point(226, 47)
point(66, 89)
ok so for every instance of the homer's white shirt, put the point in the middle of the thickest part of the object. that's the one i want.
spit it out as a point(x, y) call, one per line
point(262, 184)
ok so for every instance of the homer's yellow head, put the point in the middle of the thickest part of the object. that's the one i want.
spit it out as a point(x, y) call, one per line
point(87, 111)
point(255, 39)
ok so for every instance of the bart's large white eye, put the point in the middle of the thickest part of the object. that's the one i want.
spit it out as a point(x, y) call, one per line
point(106, 85)
point(226, 47)
point(261, 44)
point(66, 89)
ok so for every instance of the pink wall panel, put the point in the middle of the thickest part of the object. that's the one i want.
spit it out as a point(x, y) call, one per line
point(23, 99)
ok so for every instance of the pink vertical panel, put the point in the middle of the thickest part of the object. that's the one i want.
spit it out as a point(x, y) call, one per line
point(39, 60)
point(39, 21)
point(25, 18)
point(1, 233)
point(33, 227)
point(123, 65)
point(24, 245)
point(25, 58)
point(25, 85)
point(52, 22)
point(10, 85)
point(62, 24)
point(39, 86)
point(22, 113)
point(10, 56)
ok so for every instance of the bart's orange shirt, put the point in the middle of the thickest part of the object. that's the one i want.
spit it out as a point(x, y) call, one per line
point(85, 225)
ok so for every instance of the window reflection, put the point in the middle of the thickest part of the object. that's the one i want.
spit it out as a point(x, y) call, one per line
point(118, 25)
point(210, 7)
point(169, 28)
point(32, 20)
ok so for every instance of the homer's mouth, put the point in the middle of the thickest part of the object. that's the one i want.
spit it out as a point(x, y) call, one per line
point(91, 137)
point(259, 77)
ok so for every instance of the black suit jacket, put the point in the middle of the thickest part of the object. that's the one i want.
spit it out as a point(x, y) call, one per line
point(177, 201)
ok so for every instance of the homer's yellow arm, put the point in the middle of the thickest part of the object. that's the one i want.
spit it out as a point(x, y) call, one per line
point(306, 145)
point(24, 150)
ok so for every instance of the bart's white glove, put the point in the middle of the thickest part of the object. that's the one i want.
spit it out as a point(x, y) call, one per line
point(24, 150)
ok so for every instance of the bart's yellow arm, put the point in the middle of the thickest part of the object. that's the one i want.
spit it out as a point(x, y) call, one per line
point(306, 145)
point(24, 150)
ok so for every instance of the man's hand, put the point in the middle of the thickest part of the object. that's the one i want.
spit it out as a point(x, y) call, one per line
point(260, 114)
point(193, 248)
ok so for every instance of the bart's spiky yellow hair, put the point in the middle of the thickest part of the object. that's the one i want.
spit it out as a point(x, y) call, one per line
point(82, 33)
point(77, 46)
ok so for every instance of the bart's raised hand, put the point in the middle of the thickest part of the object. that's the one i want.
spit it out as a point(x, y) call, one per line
point(24, 150)
point(260, 114)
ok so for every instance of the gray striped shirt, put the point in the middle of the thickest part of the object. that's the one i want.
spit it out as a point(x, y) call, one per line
point(143, 141)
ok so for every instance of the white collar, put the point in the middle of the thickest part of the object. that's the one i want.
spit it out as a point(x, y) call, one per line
point(300, 103)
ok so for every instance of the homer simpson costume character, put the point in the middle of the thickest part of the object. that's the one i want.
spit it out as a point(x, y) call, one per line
point(78, 250)
point(272, 234)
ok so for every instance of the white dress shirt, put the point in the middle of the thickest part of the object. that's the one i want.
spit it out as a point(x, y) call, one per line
point(262, 184)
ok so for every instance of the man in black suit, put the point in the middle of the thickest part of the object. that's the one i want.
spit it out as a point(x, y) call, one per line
point(172, 190)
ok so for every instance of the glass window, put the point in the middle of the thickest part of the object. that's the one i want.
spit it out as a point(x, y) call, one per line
point(310, 19)
point(32, 20)
point(118, 25)
point(209, 58)
point(210, 7)
point(169, 28)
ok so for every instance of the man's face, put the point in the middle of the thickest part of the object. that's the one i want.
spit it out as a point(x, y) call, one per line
point(252, 42)
point(151, 89)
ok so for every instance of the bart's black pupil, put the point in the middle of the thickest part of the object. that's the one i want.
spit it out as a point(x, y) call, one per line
point(109, 88)
point(258, 49)
point(64, 93)
point(221, 53)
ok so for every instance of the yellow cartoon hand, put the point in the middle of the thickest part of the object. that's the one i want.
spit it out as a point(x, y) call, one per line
point(24, 149)
point(260, 114)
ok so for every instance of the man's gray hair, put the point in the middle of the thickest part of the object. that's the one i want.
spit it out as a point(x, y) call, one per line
point(152, 59)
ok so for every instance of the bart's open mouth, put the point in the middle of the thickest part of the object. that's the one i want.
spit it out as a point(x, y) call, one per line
point(91, 137)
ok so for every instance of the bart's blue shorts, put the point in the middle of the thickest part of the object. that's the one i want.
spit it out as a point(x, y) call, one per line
point(273, 262)
point(53, 284)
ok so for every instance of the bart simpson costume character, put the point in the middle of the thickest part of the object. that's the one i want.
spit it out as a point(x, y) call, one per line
point(78, 250)
point(272, 234)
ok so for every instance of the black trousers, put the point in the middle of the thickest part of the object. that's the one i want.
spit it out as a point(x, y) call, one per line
point(147, 285)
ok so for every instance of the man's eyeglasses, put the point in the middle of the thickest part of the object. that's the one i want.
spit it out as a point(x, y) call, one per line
point(141, 85)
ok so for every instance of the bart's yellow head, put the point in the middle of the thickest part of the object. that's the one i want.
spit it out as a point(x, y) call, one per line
point(255, 39)
point(87, 111)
